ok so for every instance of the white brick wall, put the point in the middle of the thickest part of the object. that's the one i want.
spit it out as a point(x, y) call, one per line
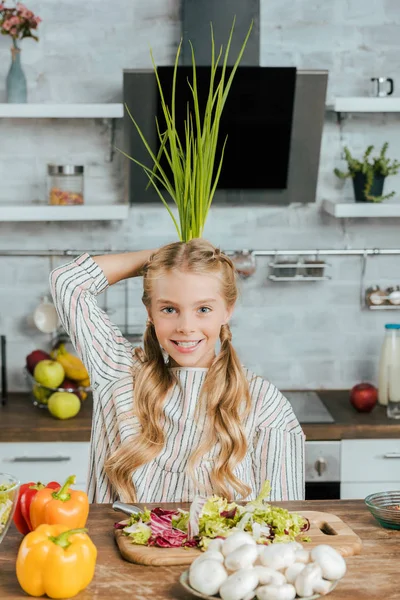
point(299, 335)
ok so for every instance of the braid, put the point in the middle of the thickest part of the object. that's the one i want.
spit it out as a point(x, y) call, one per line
point(225, 335)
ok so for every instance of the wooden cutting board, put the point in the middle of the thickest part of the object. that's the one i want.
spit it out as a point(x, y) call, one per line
point(326, 528)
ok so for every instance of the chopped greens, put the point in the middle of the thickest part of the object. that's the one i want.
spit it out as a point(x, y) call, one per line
point(218, 518)
point(6, 505)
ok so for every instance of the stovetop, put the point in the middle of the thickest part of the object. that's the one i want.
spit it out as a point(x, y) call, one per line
point(308, 407)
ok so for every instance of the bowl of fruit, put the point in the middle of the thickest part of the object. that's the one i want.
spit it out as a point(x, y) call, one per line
point(58, 380)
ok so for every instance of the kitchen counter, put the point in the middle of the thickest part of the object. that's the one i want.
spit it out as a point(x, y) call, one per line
point(21, 421)
point(371, 574)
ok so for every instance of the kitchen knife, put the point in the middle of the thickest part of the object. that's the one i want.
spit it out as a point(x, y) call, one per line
point(128, 509)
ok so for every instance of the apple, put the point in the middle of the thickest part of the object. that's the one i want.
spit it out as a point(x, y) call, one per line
point(34, 357)
point(64, 405)
point(73, 387)
point(49, 373)
point(363, 397)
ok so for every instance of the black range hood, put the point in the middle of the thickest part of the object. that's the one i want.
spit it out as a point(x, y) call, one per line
point(292, 139)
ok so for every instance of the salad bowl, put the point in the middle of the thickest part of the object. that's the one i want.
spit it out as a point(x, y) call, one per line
point(9, 489)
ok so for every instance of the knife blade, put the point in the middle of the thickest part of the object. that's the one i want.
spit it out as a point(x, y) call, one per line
point(128, 509)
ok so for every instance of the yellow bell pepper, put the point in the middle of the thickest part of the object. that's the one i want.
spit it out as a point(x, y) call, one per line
point(56, 561)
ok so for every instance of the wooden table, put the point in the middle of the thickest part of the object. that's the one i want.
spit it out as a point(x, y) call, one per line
point(373, 574)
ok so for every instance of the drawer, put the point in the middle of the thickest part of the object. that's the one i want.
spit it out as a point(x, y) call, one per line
point(355, 491)
point(46, 461)
point(370, 460)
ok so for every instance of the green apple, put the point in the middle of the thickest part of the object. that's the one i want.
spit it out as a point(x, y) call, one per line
point(41, 393)
point(49, 373)
point(64, 405)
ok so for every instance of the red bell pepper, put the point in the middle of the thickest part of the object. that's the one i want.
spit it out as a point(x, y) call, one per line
point(27, 492)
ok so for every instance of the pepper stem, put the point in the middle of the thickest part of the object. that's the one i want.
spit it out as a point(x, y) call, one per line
point(62, 494)
point(37, 486)
point(62, 540)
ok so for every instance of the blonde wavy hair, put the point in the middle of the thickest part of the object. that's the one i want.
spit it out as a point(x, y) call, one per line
point(225, 395)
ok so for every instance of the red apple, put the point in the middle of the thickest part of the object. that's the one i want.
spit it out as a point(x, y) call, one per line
point(34, 358)
point(363, 397)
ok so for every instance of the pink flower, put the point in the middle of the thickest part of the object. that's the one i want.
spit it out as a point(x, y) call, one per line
point(7, 25)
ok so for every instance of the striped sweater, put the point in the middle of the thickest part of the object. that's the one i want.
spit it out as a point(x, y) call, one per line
point(275, 438)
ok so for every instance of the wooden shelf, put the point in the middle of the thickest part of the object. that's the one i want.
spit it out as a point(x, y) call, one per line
point(361, 209)
point(106, 212)
point(365, 104)
point(62, 111)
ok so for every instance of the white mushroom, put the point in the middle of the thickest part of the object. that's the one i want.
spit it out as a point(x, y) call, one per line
point(303, 556)
point(276, 592)
point(268, 576)
point(209, 555)
point(292, 571)
point(215, 544)
point(235, 540)
point(241, 558)
point(239, 585)
point(310, 580)
point(323, 587)
point(278, 556)
point(332, 563)
point(207, 576)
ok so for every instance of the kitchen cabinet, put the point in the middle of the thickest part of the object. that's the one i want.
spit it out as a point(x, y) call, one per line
point(369, 466)
point(46, 461)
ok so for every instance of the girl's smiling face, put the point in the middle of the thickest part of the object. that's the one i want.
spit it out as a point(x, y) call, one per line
point(187, 310)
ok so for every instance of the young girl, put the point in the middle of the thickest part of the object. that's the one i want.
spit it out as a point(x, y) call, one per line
point(175, 418)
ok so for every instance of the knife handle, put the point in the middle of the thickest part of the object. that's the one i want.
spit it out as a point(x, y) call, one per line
point(128, 509)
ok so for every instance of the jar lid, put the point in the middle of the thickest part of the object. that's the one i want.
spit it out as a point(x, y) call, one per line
point(394, 288)
point(392, 326)
point(65, 169)
point(373, 288)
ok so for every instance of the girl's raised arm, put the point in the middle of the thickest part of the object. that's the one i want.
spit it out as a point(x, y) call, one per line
point(106, 354)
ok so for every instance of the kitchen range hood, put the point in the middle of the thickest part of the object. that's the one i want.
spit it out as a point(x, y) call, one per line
point(273, 116)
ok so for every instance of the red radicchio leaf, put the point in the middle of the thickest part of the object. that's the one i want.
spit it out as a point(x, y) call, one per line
point(306, 526)
point(228, 514)
point(193, 543)
point(119, 526)
point(169, 539)
point(159, 522)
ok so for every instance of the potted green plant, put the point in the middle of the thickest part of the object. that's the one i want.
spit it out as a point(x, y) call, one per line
point(369, 174)
point(195, 167)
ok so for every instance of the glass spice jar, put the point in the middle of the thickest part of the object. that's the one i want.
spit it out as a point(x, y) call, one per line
point(374, 296)
point(393, 295)
point(65, 184)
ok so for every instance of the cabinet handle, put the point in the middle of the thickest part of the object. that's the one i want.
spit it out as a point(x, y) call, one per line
point(392, 455)
point(29, 459)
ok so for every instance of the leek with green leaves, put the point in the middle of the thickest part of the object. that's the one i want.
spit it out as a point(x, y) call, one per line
point(191, 160)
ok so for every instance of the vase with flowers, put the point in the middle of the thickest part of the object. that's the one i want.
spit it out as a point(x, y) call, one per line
point(18, 22)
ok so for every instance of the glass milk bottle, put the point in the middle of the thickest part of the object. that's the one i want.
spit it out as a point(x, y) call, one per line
point(389, 365)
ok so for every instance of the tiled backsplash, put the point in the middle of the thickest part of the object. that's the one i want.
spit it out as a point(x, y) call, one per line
point(300, 335)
